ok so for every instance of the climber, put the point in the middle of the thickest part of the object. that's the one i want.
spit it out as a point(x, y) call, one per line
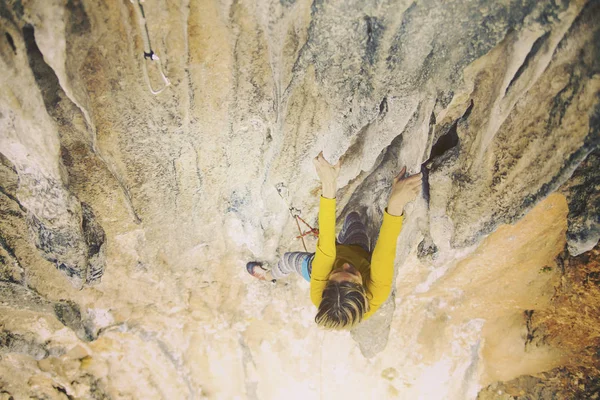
point(347, 283)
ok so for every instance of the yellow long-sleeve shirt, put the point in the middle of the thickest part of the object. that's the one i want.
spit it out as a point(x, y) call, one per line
point(377, 270)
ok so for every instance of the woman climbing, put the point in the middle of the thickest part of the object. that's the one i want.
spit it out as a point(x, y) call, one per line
point(348, 283)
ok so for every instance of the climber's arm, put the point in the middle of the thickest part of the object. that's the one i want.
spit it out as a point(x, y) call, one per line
point(382, 261)
point(325, 253)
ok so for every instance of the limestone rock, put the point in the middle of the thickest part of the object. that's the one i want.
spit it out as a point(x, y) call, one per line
point(558, 383)
point(127, 216)
point(583, 192)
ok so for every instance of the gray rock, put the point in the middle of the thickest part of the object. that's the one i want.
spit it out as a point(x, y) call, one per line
point(69, 313)
point(583, 193)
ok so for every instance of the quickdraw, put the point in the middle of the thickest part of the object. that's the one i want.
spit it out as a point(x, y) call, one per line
point(311, 230)
point(148, 53)
point(295, 213)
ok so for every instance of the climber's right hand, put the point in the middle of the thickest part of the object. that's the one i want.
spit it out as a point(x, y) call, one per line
point(328, 175)
point(404, 190)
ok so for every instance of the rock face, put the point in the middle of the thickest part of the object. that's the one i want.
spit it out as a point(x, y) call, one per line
point(133, 190)
point(582, 192)
point(574, 309)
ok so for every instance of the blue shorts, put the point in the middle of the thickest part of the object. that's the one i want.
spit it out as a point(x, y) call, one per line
point(307, 267)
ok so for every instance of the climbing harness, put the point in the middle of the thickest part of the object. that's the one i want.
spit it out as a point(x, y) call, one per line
point(149, 55)
point(295, 213)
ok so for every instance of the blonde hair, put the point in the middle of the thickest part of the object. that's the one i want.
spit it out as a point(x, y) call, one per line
point(342, 306)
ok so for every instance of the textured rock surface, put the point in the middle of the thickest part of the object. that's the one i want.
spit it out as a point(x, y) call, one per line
point(582, 191)
point(127, 217)
point(556, 384)
point(574, 310)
